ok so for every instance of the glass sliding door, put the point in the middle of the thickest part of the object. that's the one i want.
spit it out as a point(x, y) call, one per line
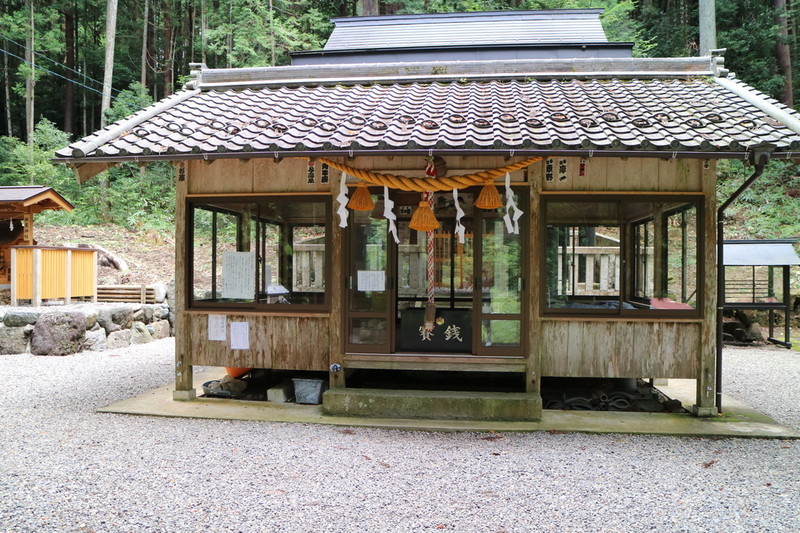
point(369, 284)
point(501, 300)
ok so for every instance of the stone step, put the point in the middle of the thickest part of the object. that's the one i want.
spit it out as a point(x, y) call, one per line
point(443, 405)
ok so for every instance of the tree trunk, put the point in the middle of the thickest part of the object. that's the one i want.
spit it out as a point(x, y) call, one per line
point(168, 44)
point(30, 81)
point(783, 52)
point(368, 8)
point(7, 87)
point(69, 90)
point(108, 77)
point(143, 76)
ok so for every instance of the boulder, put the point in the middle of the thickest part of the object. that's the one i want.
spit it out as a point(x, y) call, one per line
point(140, 334)
point(161, 329)
point(160, 291)
point(147, 313)
point(58, 334)
point(118, 339)
point(95, 339)
point(123, 316)
point(105, 319)
point(91, 319)
point(18, 319)
point(13, 340)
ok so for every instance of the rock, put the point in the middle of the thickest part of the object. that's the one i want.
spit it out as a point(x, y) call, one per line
point(91, 319)
point(138, 315)
point(147, 313)
point(105, 319)
point(160, 291)
point(95, 339)
point(233, 385)
point(753, 333)
point(161, 329)
point(118, 339)
point(13, 340)
point(139, 333)
point(123, 316)
point(17, 319)
point(58, 334)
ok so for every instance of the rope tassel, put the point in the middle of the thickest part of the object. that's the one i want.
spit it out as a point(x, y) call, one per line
point(423, 218)
point(489, 197)
point(361, 200)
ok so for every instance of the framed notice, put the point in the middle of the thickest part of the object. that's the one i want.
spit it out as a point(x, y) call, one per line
point(238, 275)
point(371, 281)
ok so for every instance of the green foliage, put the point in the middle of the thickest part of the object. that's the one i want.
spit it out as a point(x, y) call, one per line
point(128, 101)
point(769, 208)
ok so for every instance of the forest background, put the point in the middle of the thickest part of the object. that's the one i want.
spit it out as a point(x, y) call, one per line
point(53, 61)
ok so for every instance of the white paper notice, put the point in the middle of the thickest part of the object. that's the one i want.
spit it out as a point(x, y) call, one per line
point(371, 280)
point(240, 336)
point(216, 327)
point(238, 275)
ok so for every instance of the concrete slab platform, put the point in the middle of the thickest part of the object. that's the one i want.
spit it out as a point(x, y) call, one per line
point(738, 420)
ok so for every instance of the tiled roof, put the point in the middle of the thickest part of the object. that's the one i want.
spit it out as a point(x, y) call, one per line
point(653, 113)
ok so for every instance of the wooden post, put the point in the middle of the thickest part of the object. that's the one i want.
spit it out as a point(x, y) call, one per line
point(706, 352)
point(533, 377)
point(36, 298)
point(336, 284)
point(94, 265)
point(184, 375)
point(13, 275)
point(68, 273)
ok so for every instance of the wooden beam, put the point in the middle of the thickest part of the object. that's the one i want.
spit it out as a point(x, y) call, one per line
point(86, 171)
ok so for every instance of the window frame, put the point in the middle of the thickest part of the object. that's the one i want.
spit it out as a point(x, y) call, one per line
point(627, 261)
point(191, 203)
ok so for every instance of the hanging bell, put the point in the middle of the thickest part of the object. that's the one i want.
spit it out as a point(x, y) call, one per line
point(423, 218)
point(489, 197)
point(361, 200)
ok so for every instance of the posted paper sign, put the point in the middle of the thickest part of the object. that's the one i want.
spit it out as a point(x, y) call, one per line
point(238, 275)
point(240, 336)
point(371, 280)
point(216, 327)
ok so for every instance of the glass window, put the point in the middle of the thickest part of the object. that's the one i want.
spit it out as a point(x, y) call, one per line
point(621, 256)
point(263, 252)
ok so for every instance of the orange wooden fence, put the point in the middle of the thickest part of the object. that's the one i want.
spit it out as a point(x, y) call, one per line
point(43, 273)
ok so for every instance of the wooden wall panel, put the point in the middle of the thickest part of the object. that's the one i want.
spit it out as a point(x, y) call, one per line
point(616, 348)
point(220, 176)
point(278, 342)
point(290, 175)
point(626, 174)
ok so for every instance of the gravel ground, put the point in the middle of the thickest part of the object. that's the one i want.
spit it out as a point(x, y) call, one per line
point(64, 467)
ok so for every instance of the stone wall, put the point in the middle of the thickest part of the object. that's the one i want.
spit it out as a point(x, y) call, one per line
point(68, 329)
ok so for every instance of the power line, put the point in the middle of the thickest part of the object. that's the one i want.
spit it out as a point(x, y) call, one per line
point(54, 73)
point(83, 75)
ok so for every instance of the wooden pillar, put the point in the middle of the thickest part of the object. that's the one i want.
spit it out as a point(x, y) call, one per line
point(533, 377)
point(336, 286)
point(68, 274)
point(12, 270)
point(184, 379)
point(706, 352)
point(36, 298)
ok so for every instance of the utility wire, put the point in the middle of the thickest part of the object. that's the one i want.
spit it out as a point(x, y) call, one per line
point(55, 73)
point(79, 73)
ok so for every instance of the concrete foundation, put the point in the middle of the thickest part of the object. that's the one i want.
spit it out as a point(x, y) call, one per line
point(441, 405)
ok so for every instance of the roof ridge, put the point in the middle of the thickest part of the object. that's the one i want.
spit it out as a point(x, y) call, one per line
point(203, 78)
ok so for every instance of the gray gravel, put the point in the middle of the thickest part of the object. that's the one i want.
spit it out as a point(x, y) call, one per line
point(64, 467)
